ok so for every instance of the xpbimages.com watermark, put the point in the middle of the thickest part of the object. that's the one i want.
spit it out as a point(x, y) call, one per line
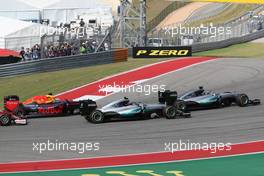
point(210, 30)
point(138, 88)
point(79, 147)
point(79, 32)
point(180, 145)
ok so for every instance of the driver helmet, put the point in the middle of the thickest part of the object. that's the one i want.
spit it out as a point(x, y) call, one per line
point(50, 98)
point(201, 88)
point(126, 101)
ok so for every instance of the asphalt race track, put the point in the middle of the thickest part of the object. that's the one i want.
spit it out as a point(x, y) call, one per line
point(228, 125)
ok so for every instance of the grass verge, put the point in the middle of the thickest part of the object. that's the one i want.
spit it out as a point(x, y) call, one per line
point(42, 83)
point(245, 50)
point(154, 7)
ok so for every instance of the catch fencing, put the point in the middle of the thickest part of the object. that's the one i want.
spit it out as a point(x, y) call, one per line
point(184, 34)
point(199, 47)
point(228, 42)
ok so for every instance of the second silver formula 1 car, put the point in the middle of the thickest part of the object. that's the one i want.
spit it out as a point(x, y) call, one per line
point(204, 99)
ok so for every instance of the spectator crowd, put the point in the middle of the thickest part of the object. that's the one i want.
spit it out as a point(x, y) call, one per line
point(60, 50)
point(33, 53)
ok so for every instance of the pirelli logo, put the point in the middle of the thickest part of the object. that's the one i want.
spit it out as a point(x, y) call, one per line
point(161, 52)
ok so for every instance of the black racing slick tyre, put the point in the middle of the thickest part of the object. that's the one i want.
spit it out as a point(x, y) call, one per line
point(181, 105)
point(242, 100)
point(170, 112)
point(96, 117)
point(5, 120)
point(19, 111)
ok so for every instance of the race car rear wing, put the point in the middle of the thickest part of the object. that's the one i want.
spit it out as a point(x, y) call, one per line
point(87, 107)
point(168, 97)
point(11, 102)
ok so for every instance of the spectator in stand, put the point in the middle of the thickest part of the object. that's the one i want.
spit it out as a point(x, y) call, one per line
point(106, 47)
point(51, 52)
point(62, 51)
point(83, 49)
point(75, 50)
point(45, 52)
point(28, 54)
point(22, 53)
point(82, 23)
point(38, 51)
point(35, 54)
point(69, 50)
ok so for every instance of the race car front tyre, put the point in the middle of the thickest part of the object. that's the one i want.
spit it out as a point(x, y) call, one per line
point(170, 112)
point(5, 120)
point(96, 117)
point(242, 100)
point(181, 105)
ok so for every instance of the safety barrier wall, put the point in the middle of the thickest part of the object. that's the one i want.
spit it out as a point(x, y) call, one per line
point(199, 47)
point(60, 63)
point(225, 43)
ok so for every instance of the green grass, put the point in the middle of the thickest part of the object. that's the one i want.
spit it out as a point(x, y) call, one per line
point(42, 83)
point(154, 7)
point(246, 50)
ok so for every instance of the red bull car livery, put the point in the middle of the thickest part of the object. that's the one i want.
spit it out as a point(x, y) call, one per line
point(46, 105)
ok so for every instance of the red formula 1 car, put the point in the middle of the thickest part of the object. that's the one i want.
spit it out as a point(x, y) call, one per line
point(40, 106)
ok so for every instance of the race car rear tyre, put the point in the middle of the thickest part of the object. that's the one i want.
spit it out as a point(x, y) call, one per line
point(5, 120)
point(19, 111)
point(96, 117)
point(170, 112)
point(242, 100)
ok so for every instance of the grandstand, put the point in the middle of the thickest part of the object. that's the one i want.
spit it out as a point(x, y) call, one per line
point(54, 11)
point(26, 23)
point(16, 33)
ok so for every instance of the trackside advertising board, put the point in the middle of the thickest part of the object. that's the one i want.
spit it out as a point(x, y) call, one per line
point(162, 52)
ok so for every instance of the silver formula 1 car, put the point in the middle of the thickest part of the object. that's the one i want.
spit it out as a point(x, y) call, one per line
point(205, 99)
point(124, 109)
